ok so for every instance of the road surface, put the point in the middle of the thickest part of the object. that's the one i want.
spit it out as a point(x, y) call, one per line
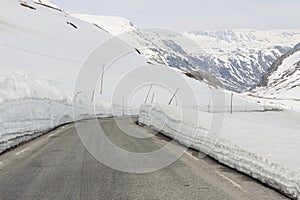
point(57, 166)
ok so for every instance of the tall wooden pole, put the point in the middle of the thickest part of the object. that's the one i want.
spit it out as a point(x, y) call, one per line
point(93, 95)
point(123, 105)
point(148, 93)
point(152, 98)
point(102, 76)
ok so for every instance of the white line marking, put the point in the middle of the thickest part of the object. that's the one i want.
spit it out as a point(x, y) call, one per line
point(51, 135)
point(191, 155)
point(22, 151)
point(229, 180)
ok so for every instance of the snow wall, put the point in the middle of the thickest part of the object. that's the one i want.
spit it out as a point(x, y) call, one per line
point(167, 120)
point(31, 106)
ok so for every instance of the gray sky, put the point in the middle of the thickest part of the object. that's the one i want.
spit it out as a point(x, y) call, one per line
point(180, 15)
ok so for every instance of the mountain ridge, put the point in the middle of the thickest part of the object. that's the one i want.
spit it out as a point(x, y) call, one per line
point(238, 58)
point(282, 80)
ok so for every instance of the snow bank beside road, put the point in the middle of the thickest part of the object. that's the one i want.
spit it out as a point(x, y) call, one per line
point(168, 121)
point(30, 105)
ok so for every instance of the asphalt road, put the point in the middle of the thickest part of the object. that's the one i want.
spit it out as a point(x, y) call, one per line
point(57, 166)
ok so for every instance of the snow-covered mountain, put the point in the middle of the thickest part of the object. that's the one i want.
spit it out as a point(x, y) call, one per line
point(112, 24)
point(237, 58)
point(283, 78)
point(242, 56)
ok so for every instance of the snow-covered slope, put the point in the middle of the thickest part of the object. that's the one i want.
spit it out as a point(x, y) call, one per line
point(283, 79)
point(238, 58)
point(42, 51)
point(112, 24)
point(42, 40)
point(47, 3)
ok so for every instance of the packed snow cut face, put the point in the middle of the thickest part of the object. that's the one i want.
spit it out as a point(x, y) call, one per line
point(248, 152)
point(31, 105)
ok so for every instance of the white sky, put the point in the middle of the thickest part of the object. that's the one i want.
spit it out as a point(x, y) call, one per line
point(180, 15)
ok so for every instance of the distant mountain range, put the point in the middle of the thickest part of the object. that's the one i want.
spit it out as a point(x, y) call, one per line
point(282, 80)
point(238, 58)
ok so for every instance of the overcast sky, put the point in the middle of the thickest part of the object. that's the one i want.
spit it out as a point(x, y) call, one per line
point(180, 15)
